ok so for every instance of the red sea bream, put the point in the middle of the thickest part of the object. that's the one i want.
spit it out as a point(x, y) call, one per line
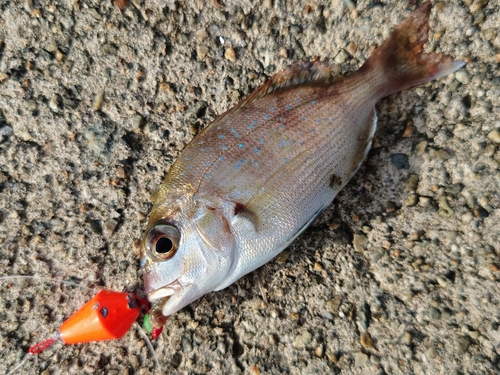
point(255, 178)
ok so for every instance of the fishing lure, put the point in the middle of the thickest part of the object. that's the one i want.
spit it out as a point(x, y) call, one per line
point(109, 315)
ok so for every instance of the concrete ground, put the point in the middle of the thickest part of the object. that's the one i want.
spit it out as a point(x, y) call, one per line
point(399, 276)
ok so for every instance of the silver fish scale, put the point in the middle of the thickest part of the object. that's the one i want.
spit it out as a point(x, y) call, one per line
point(292, 182)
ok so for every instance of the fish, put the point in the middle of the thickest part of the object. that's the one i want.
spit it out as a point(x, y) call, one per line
point(254, 179)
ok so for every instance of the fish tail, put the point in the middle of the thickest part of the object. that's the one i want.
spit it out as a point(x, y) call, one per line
point(399, 62)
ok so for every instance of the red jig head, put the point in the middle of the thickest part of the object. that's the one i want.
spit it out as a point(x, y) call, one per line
point(107, 316)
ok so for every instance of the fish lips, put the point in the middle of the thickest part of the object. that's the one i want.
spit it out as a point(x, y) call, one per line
point(159, 297)
point(165, 292)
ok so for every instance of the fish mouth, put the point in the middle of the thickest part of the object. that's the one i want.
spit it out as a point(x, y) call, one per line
point(164, 293)
point(158, 299)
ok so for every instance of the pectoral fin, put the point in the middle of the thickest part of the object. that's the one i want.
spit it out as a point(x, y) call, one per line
point(243, 212)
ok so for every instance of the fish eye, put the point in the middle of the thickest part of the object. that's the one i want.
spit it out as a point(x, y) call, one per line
point(162, 241)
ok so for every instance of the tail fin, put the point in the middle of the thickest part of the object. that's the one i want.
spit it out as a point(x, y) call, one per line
point(400, 60)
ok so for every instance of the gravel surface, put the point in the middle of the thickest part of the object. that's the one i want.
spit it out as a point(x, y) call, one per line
point(399, 276)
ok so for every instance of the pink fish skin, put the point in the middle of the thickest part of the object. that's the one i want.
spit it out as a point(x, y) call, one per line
point(255, 178)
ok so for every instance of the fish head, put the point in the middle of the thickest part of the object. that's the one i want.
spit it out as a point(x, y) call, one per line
point(184, 258)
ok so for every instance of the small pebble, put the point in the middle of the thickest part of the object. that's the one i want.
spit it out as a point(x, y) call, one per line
point(230, 54)
point(295, 29)
point(283, 256)
point(391, 207)
point(474, 335)
point(424, 201)
point(442, 281)
point(136, 122)
point(327, 315)
point(477, 5)
point(494, 135)
point(202, 34)
point(267, 4)
point(283, 52)
point(351, 48)
point(359, 242)
point(54, 103)
point(434, 314)
point(408, 132)
point(341, 57)
point(110, 226)
point(366, 340)
point(462, 345)
point(302, 340)
point(421, 147)
point(360, 359)
point(167, 88)
point(439, 154)
point(406, 339)
point(98, 100)
point(319, 351)
point(5, 133)
point(332, 357)
point(202, 51)
point(431, 352)
point(120, 172)
point(444, 208)
point(411, 200)
point(59, 56)
point(351, 5)
point(462, 76)
point(412, 182)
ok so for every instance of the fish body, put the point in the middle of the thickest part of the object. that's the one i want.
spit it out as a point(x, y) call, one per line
point(255, 178)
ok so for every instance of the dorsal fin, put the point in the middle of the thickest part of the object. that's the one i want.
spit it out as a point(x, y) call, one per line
point(296, 74)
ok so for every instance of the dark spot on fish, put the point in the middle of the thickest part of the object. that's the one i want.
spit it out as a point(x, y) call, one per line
point(335, 181)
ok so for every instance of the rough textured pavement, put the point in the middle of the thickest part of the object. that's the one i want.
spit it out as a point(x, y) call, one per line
point(399, 276)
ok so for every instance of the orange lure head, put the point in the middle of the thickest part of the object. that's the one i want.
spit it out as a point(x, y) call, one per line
point(107, 316)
